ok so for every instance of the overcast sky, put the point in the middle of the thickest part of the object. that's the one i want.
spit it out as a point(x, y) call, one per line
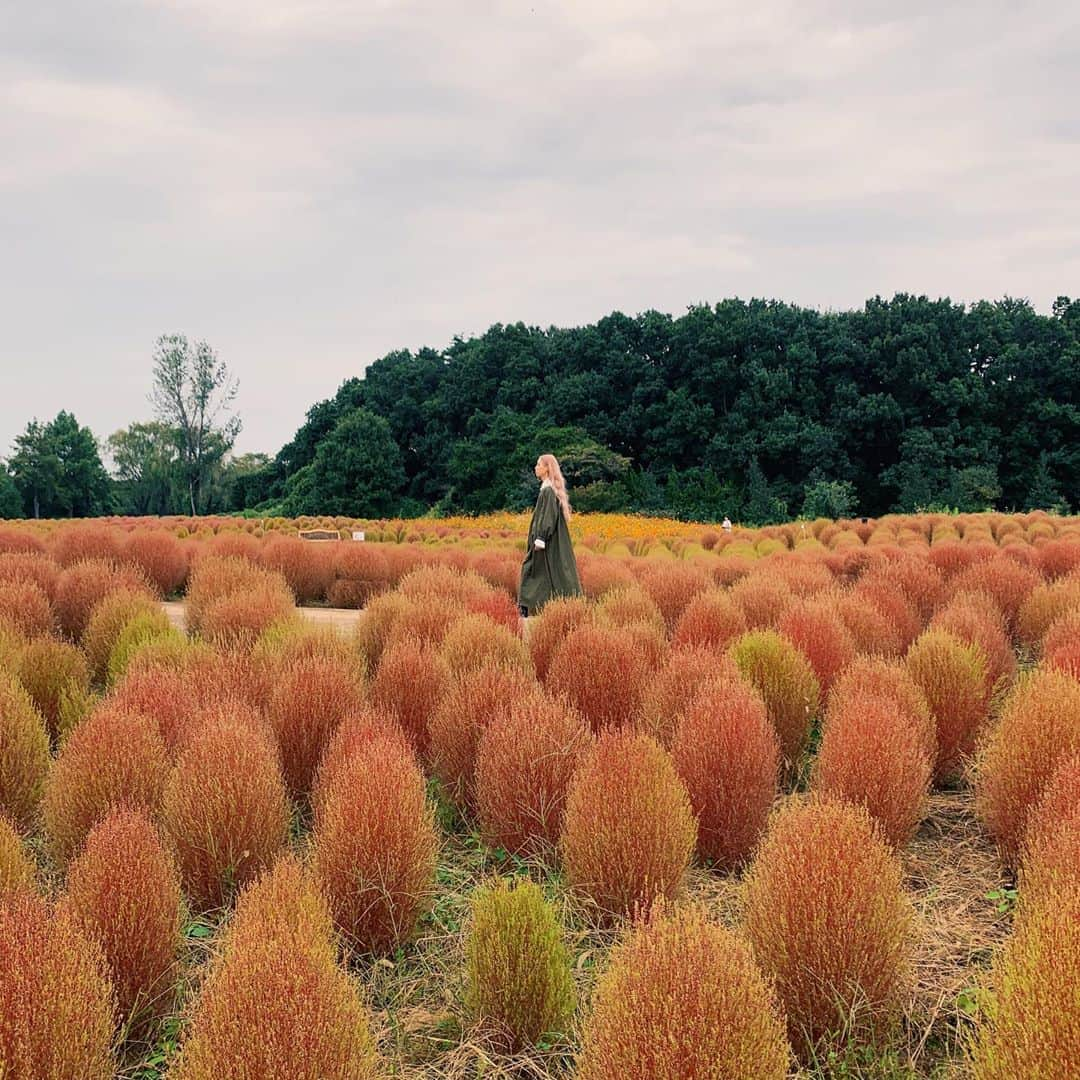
point(308, 184)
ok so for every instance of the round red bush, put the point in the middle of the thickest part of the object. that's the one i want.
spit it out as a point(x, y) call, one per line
point(124, 890)
point(872, 756)
point(352, 736)
point(225, 810)
point(1039, 727)
point(115, 757)
point(468, 705)
point(672, 586)
point(603, 671)
point(762, 599)
point(674, 687)
point(871, 676)
point(73, 543)
point(275, 1005)
point(307, 567)
point(85, 584)
point(474, 641)
point(710, 620)
point(309, 699)
point(817, 630)
point(163, 694)
point(683, 998)
point(1051, 849)
point(975, 619)
point(56, 1006)
point(19, 542)
point(525, 758)
point(628, 829)
point(409, 683)
point(727, 754)
point(160, 556)
point(27, 566)
point(829, 923)
point(1004, 580)
point(25, 606)
point(375, 846)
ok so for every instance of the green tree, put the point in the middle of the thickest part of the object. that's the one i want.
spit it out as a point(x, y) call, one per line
point(11, 504)
point(146, 464)
point(829, 499)
point(763, 506)
point(57, 469)
point(357, 471)
point(193, 390)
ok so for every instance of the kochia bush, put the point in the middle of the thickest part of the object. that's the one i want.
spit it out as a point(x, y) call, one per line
point(786, 682)
point(518, 976)
point(375, 846)
point(1051, 850)
point(603, 671)
point(16, 869)
point(1039, 728)
point(952, 677)
point(547, 630)
point(56, 1006)
point(475, 641)
point(525, 758)
point(469, 705)
point(409, 683)
point(84, 585)
point(872, 755)
point(275, 1004)
point(710, 620)
point(828, 921)
point(728, 756)
point(225, 809)
point(674, 688)
point(628, 830)
point(24, 752)
point(124, 890)
point(114, 757)
point(1033, 1026)
point(52, 672)
point(683, 1000)
point(25, 606)
point(310, 697)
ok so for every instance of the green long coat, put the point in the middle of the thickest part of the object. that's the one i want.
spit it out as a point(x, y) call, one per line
point(551, 570)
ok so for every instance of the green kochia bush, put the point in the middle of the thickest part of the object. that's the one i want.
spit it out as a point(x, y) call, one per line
point(518, 968)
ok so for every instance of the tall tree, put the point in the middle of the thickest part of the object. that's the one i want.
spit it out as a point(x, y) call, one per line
point(193, 390)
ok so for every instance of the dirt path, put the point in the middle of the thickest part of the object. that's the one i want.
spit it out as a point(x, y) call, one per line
point(344, 619)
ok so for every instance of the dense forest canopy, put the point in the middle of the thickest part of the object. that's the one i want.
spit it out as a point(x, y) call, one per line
point(758, 409)
point(754, 409)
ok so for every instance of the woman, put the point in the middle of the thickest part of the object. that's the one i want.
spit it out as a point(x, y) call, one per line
point(549, 568)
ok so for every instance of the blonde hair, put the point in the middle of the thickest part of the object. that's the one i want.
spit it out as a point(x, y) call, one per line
point(555, 478)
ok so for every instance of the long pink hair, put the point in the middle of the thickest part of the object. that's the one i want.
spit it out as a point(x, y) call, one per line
point(558, 483)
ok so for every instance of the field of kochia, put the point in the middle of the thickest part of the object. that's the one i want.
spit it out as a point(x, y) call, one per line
point(801, 801)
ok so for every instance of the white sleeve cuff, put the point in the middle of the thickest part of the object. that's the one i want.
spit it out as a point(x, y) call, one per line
point(539, 544)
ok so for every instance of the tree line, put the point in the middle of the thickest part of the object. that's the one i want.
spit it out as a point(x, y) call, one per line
point(759, 410)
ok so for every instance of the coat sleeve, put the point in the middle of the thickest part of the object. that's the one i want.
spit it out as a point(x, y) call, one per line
point(547, 516)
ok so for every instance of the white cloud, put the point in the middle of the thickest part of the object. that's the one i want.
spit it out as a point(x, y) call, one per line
point(309, 183)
